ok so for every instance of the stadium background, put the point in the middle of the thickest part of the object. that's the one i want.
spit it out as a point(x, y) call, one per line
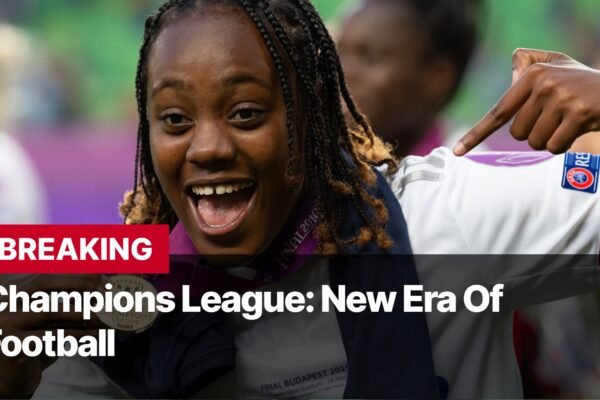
point(71, 102)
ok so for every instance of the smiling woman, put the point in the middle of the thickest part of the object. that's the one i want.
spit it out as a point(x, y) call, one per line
point(222, 132)
point(217, 125)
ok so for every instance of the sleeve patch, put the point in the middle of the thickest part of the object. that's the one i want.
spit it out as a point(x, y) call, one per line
point(580, 172)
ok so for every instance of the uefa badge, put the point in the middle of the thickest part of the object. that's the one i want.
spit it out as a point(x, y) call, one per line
point(581, 172)
point(123, 286)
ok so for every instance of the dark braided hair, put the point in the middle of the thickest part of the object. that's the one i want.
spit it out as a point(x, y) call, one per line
point(337, 160)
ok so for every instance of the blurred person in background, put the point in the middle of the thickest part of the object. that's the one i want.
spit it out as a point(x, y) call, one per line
point(404, 61)
point(33, 84)
point(22, 199)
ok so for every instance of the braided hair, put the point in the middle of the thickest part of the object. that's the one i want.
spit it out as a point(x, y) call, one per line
point(338, 159)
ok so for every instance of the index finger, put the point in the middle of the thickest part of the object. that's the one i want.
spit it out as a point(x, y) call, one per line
point(502, 112)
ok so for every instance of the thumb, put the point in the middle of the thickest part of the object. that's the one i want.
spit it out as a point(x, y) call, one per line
point(524, 58)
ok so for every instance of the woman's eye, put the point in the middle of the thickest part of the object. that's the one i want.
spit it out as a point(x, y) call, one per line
point(176, 120)
point(370, 57)
point(247, 117)
point(246, 114)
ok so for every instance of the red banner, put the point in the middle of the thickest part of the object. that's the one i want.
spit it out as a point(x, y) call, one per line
point(84, 249)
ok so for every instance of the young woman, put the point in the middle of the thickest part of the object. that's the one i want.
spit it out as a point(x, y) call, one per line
point(243, 150)
point(404, 61)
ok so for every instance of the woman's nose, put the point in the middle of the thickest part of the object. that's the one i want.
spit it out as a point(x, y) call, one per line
point(211, 147)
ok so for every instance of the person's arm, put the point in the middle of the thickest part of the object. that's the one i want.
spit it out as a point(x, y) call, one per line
point(553, 99)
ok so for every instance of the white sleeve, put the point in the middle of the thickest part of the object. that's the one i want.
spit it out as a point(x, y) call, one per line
point(498, 204)
point(514, 203)
point(521, 209)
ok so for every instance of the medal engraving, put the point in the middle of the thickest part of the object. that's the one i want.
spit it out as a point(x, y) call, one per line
point(131, 321)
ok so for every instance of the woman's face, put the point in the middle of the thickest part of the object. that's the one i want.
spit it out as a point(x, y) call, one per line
point(218, 132)
point(383, 49)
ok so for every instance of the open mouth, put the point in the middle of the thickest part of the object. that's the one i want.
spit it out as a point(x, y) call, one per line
point(221, 208)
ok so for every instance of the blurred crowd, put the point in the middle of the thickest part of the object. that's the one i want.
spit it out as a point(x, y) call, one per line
point(74, 59)
point(422, 71)
point(84, 52)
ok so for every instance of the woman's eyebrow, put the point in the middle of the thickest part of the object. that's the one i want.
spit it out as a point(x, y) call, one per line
point(232, 80)
point(168, 83)
point(242, 78)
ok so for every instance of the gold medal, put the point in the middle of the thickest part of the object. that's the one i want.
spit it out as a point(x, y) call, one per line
point(131, 321)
